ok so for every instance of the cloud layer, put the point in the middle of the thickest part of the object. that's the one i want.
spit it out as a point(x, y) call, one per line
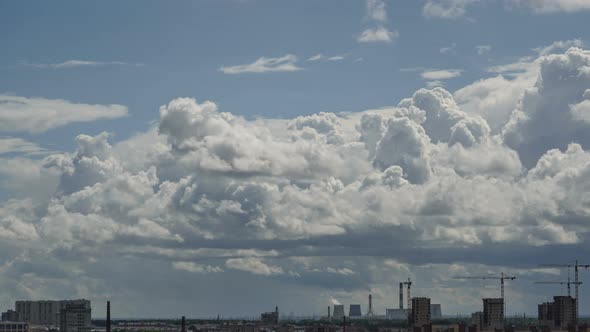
point(322, 207)
point(36, 115)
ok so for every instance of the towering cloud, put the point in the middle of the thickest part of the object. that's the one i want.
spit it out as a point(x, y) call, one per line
point(208, 197)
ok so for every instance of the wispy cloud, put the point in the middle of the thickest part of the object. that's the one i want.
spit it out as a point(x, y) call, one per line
point(559, 46)
point(377, 13)
point(196, 268)
point(443, 74)
point(21, 146)
point(285, 63)
point(79, 63)
point(483, 49)
point(320, 57)
point(449, 49)
point(552, 6)
point(376, 10)
point(36, 115)
point(446, 9)
point(380, 34)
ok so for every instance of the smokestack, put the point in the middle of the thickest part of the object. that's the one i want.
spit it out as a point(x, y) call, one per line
point(328, 313)
point(277, 313)
point(183, 325)
point(108, 316)
point(401, 295)
point(371, 303)
point(343, 323)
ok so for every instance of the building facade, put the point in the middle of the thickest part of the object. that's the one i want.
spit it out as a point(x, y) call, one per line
point(14, 327)
point(558, 314)
point(76, 317)
point(270, 318)
point(45, 312)
point(420, 313)
point(10, 316)
point(493, 314)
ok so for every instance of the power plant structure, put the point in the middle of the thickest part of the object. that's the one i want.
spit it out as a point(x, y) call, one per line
point(355, 311)
point(338, 311)
point(370, 312)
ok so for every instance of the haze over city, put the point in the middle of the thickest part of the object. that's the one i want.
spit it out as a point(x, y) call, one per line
point(223, 157)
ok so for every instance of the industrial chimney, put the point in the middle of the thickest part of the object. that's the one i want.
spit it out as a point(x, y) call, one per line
point(183, 325)
point(401, 295)
point(328, 313)
point(108, 316)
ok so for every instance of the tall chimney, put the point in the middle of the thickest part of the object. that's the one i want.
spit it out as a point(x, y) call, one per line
point(108, 316)
point(401, 295)
point(328, 313)
point(371, 304)
point(183, 325)
point(277, 313)
point(343, 323)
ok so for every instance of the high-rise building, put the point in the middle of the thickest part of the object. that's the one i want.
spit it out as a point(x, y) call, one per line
point(546, 314)
point(45, 312)
point(75, 317)
point(338, 311)
point(354, 311)
point(558, 314)
point(420, 313)
point(493, 314)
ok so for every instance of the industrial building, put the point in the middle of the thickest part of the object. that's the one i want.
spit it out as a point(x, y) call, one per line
point(420, 313)
point(75, 316)
point(45, 312)
point(396, 314)
point(338, 311)
point(435, 311)
point(354, 311)
point(493, 314)
point(558, 314)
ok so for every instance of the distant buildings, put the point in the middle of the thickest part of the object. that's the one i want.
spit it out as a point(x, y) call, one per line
point(396, 314)
point(75, 316)
point(269, 318)
point(493, 314)
point(420, 313)
point(558, 314)
point(476, 322)
point(10, 316)
point(355, 311)
point(45, 312)
point(14, 327)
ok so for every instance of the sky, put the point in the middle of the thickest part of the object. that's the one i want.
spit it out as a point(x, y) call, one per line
point(228, 156)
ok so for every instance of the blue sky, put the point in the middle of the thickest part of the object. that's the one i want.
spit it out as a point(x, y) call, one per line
point(318, 149)
point(176, 49)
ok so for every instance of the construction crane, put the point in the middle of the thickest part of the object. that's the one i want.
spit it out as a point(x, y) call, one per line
point(503, 276)
point(568, 283)
point(401, 296)
point(576, 267)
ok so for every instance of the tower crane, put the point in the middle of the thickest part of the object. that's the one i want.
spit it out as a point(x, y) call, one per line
point(409, 285)
point(503, 276)
point(576, 265)
point(568, 283)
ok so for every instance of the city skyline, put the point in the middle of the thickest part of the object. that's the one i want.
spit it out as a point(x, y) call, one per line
point(225, 157)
